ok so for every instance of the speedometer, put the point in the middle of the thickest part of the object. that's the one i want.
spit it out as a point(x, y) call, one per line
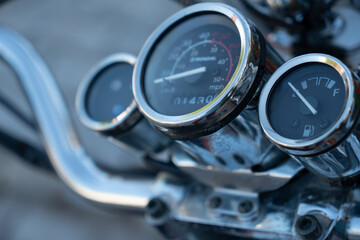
point(199, 70)
point(197, 80)
point(186, 74)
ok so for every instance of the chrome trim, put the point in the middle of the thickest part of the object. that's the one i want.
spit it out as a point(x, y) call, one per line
point(340, 129)
point(236, 147)
point(142, 138)
point(341, 161)
point(241, 82)
point(256, 182)
point(67, 155)
point(327, 205)
point(264, 221)
point(122, 122)
point(352, 230)
point(272, 214)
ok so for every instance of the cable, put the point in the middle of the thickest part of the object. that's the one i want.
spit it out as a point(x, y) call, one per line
point(25, 151)
point(14, 110)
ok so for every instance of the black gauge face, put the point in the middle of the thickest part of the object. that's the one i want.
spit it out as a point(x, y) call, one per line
point(110, 92)
point(306, 102)
point(191, 64)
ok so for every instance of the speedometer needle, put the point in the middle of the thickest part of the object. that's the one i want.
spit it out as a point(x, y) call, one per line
point(307, 104)
point(181, 75)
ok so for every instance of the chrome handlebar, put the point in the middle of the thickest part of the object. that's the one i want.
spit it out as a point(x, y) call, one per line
point(68, 157)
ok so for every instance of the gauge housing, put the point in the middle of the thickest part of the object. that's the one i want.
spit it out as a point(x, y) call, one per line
point(127, 117)
point(338, 131)
point(233, 98)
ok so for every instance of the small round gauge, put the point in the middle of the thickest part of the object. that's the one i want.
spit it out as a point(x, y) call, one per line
point(198, 70)
point(306, 101)
point(105, 101)
point(308, 105)
point(111, 92)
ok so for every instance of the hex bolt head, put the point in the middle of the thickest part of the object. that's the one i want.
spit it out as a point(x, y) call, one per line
point(214, 202)
point(157, 208)
point(245, 206)
point(308, 227)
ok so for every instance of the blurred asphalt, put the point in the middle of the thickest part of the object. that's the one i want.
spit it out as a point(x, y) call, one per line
point(71, 36)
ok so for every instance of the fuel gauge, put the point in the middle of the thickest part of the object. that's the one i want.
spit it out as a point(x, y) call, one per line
point(306, 101)
point(309, 108)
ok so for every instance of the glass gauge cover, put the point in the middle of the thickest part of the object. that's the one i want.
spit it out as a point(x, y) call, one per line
point(191, 64)
point(307, 101)
point(309, 104)
point(190, 75)
point(110, 92)
point(105, 100)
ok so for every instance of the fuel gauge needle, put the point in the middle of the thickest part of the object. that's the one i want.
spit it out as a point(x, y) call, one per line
point(181, 75)
point(307, 104)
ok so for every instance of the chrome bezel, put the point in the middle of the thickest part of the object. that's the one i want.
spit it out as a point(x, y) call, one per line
point(122, 122)
point(337, 132)
point(229, 95)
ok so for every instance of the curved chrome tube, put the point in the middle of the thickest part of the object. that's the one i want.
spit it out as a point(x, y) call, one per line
point(68, 157)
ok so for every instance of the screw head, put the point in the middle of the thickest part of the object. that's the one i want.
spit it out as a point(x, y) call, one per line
point(157, 208)
point(215, 202)
point(245, 206)
point(308, 227)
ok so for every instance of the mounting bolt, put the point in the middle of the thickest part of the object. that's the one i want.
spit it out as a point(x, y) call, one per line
point(214, 202)
point(308, 227)
point(245, 206)
point(157, 208)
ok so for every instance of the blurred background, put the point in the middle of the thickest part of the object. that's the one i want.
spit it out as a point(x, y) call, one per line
point(71, 36)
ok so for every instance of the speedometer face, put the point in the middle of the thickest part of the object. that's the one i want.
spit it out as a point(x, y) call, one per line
point(194, 64)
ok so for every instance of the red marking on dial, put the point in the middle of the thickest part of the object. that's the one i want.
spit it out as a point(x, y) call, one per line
point(229, 53)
